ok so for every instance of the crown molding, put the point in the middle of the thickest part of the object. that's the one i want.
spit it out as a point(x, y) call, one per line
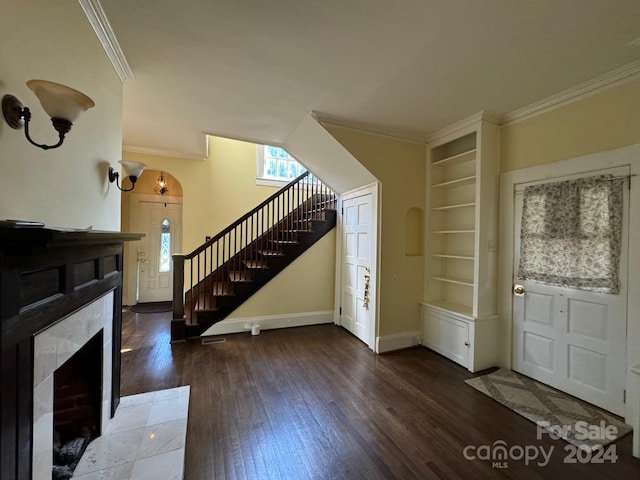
point(100, 23)
point(327, 119)
point(465, 123)
point(610, 79)
point(159, 152)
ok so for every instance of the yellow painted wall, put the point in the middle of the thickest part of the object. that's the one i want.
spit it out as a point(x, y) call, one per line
point(68, 186)
point(400, 167)
point(307, 285)
point(218, 191)
point(599, 122)
point(147, 182)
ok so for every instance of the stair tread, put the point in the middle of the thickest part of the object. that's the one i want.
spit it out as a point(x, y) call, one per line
point(286, 242)
point(205, 310)
point(304, 220)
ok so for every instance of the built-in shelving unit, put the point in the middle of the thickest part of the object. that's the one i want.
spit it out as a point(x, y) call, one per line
point(462, 195)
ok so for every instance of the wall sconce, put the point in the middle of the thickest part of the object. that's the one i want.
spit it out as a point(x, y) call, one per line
point(133, 171)
point(161, 185)
point(63, 104)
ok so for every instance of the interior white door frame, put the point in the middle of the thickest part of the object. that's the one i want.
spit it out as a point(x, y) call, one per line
point(598, 161)
point(131, 266)
point(372, 189)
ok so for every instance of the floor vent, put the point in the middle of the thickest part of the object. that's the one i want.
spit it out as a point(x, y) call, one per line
point(211, 341)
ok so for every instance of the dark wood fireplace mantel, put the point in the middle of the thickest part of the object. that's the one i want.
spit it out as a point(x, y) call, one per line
point(45, 275)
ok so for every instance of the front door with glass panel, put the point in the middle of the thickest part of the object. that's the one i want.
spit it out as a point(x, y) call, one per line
point(570, 338)
point(161, 224)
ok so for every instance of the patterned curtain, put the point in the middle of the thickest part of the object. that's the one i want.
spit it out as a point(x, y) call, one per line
point(570, 233)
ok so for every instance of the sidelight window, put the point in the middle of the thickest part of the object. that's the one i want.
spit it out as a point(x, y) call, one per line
point(165, 246)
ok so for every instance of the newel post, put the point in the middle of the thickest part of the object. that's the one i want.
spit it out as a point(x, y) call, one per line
point(178, 322)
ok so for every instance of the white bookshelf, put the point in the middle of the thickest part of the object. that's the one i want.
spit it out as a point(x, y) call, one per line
point(461, 260)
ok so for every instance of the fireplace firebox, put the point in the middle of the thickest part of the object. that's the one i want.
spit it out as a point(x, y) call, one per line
point(77, 406)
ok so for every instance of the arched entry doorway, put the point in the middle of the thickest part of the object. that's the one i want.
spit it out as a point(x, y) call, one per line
point(155, 209)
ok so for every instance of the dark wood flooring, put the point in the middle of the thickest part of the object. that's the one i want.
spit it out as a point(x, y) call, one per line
point(315, 403)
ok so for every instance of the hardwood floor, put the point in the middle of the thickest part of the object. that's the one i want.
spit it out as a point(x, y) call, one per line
point(315, 403)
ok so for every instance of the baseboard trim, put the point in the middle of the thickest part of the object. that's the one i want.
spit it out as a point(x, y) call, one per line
point(398, 341)
point(268, 322)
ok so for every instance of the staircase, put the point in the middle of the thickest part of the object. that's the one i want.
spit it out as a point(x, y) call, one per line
point(217, 277)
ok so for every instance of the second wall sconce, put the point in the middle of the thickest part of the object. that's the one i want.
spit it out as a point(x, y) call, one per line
point(63, 104)
point(133, 171)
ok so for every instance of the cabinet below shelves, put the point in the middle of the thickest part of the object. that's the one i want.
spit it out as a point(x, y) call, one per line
point(468, 341)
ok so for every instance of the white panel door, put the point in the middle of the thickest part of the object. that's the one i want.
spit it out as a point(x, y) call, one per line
point(356, 267)
point(161, 224)
point(573, 340)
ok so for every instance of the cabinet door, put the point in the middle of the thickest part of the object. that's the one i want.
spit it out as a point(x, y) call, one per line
point(447, 336)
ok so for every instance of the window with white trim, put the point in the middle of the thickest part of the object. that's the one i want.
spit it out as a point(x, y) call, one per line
point(276, 167)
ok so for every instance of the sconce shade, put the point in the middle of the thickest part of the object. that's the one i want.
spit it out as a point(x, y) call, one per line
point(60, 101)
point(63, 104)
point(132, 169)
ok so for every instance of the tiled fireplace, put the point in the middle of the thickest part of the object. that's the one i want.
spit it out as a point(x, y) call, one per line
point(54, 347)
point(58, 290)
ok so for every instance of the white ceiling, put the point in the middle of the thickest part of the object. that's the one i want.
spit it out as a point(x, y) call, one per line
point(252, 69)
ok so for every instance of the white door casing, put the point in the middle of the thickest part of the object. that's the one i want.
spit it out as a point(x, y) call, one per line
point(571, 339)
point(154, 285)
point(357, 261)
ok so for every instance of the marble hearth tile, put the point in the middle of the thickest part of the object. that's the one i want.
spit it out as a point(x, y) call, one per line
point(163, 438)
point(138, 399)
point(120, 472)
point(109, 451)
point(169, 410)
point(129, 418)
point(171, 393)
point(167, 466)
point(154, 451)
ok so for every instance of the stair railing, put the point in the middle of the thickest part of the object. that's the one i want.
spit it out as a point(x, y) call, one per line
point(246, 244)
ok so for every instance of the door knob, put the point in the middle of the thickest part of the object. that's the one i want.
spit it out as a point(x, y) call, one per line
point(518, 290)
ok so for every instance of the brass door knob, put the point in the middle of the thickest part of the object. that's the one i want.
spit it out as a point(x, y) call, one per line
point(518, 290)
